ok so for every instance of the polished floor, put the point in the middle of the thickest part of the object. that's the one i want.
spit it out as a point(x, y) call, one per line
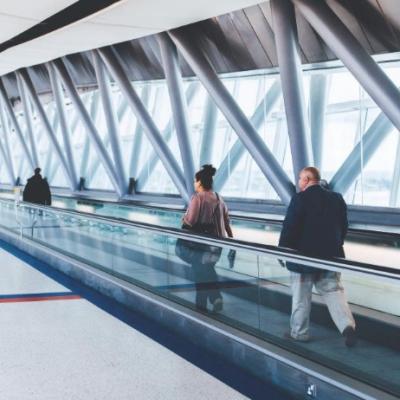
point(59, 340)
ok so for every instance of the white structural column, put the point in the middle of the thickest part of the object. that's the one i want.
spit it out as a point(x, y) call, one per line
point(87, 121)
point(28, 119)
point(5, 135)
point(17, 128)
point(103, 82)
point(23, 74)
point(235, 116)
point(169, 55)
point(287, 47)
point(58, 96)
point(94, 110)
point(346, 47)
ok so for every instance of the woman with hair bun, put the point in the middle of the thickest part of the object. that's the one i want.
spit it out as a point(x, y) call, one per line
point(207, 213)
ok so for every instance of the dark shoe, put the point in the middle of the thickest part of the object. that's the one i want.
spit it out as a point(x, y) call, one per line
point(218, 305)
point(350, 336)
point(287, 335)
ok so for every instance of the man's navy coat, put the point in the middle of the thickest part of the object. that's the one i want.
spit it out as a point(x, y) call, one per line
point(315, 225)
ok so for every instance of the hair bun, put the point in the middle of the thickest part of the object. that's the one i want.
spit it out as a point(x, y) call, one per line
point(209, 169)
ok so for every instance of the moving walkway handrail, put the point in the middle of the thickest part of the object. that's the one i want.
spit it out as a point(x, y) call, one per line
point(335, 264)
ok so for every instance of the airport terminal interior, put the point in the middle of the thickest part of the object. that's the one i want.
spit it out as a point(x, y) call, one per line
point(108, 111)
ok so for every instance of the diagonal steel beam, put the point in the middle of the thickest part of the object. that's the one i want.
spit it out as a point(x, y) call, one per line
point(210, 125)
point(6, 132)
point(235, 116)
point(94, 110)
point(87, 121)
point(169, 56)
point(395, 189)
point(24, 76)
point(346, 47)
point(150, 128)
point(96, 162)
point(286, 40)
point(104, 85)
point(138, 136)
point(4, 157)
point(365, 149)
point(319, 88)
point(28, 119)
point(17, 128)
point(48, 170)
point(237, 151)
point(153, 159)
point(66, 133)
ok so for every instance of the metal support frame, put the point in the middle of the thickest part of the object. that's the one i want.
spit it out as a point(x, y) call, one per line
point(24, 76)
point(319, 89)
point(96, 162)
point(150, 128)
point(94, 109)
point(50, 169)
point(9, 169)
point(210, 118)
point(235, 116)
point(104, 85)
point(287, 47)
point(91, 128)
point(346, 47)
point(166, 134)
point(58, 96)
point(28, 119)
point(237, 151)
point(395, 189)
point(351, 167)
point(169, 56)
point(6, 128)
point(138, 137)
point(18, 130)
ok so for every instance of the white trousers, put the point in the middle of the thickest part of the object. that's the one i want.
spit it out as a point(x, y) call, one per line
point(329, 287)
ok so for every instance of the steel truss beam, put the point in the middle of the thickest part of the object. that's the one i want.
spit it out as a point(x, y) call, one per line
point(169, 55)
point(138, 136)
point(104, 85)
point(319, 89)
point(286, 40)
point(235, 116)
point(87, 121)
point(346, 47)
point(143, 117)
point(210, 124)
point(395, 189)
point(17, 128)
point(94, 110)
point(237, 151)
point(24, 76)
point(28, 119)
point(370, 141)
point(96, 162)
point(151, 163)
point(59, 100)
point(8, 158)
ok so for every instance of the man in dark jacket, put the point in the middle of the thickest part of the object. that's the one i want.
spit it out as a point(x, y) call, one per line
point(37, 190)
point(316, 225)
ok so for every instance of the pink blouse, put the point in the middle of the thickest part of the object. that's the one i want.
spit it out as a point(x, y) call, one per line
point(201, 209)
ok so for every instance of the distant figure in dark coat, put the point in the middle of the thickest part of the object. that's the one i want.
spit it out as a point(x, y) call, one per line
point(316, 225)
point(37, 190)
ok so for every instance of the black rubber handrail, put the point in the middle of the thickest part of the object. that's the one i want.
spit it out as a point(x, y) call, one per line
point(263, 249)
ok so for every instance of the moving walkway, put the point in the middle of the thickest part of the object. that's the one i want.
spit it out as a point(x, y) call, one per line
point(255, 291)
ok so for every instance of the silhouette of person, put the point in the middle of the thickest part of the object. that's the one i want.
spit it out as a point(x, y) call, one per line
point(37, 190)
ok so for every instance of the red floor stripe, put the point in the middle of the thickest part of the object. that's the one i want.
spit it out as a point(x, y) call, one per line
point(44, 298)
